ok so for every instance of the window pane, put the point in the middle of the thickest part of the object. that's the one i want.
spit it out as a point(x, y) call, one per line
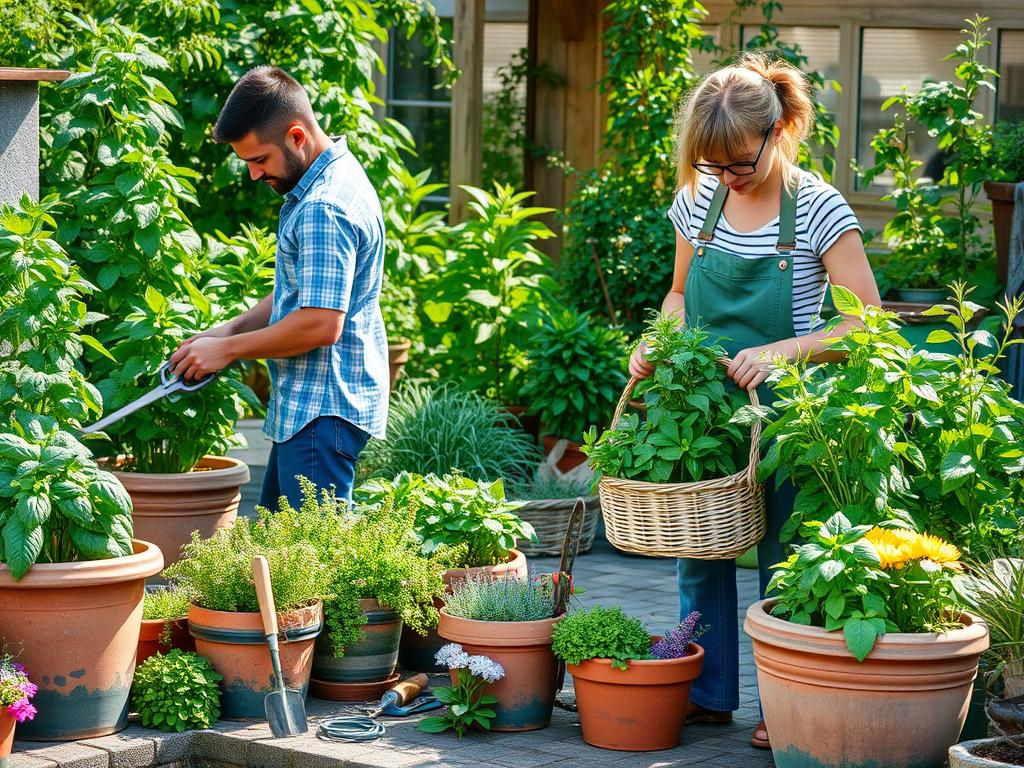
point(1011, 75)
point(408, 79)
point(890, 59)
point(502, 41)
point(431, 130)
point(821, 47)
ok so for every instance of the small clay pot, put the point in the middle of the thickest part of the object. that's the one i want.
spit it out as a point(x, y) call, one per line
point(371, 659)
point(638, 709)
point(153, 635)
point(526, 694)
point(237, 648)
point(572, 458)
point(398, 356)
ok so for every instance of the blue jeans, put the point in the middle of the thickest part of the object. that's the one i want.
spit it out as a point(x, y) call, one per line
point(709, 586)
point(325, 451)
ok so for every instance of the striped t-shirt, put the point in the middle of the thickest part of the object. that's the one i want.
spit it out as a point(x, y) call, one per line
point(822, 215)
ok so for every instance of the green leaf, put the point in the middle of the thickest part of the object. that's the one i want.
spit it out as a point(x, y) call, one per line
point(860, 636)
point(15, 449)
point(830, 569)
point(33, 511)
point(846, 301)
point(955, 465)
point(433, 725)
point(939, 337)
point(835, 605)
point(21, 547)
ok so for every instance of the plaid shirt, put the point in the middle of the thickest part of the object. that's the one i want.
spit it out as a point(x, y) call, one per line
point(330, 254)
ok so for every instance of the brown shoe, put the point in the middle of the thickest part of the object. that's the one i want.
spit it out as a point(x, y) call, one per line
point(698, 714)
point(760, 737)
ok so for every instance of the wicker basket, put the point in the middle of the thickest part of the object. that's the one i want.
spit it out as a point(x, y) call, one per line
point(550, 518)
point(717, 519)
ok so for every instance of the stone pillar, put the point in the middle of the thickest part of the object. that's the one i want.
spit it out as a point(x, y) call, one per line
point(19, 130)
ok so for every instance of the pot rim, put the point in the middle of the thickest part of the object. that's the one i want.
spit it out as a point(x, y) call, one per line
point(514, 556)
point(763, 627)
point(314, 605)
point(233, 472)
point(146, 561)
point(497, 634)
point(649, 663)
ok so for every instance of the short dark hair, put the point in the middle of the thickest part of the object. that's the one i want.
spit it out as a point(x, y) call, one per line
point(263, 101)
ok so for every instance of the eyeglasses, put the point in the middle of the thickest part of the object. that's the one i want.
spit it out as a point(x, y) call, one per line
point(736, 169)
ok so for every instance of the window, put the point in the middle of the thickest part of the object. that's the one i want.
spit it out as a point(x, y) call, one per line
point(890, 59)
point(1011, 75)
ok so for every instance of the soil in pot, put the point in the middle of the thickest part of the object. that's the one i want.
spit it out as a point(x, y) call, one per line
point(370, 660)
point(1002, 751)
point(639, 709)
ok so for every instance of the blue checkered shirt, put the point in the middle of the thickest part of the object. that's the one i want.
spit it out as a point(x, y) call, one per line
point(330, 254)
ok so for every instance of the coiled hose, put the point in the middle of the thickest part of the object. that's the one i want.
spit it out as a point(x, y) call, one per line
point(350, 728)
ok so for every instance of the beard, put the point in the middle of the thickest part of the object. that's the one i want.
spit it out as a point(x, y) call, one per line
point(294, 168)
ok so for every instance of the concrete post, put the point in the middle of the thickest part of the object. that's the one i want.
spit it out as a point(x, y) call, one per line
point(19, 130)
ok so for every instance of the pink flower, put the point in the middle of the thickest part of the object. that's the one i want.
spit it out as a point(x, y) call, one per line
point(21, 710)
point(29, 689)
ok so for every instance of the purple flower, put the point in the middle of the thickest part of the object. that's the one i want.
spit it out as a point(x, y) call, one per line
point(675, 645)
point(19, 668)
point(29, 689)
point(21, 710)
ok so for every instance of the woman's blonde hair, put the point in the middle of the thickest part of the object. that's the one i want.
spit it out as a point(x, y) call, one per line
point(719, 116)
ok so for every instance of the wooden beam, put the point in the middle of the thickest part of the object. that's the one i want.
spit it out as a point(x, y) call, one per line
point(467, 104)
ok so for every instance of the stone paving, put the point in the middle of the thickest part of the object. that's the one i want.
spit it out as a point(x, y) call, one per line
point(643, 587)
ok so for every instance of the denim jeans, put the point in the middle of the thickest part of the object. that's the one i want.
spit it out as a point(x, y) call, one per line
point(709, 586)
point(325, 451)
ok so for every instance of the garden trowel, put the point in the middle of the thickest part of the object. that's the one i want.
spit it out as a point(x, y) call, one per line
point(286, 711)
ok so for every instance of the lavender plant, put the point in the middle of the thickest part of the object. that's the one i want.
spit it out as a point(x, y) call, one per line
point(506, 599)
point(676, 644)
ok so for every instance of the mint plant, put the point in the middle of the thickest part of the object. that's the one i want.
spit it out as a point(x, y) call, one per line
point(176, 692)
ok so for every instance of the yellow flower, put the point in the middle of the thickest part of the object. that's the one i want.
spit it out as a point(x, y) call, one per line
point(898, 546)
point(892, 547)
point(938, 551)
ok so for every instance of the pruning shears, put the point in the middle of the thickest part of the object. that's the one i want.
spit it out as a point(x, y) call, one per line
point(169, 385)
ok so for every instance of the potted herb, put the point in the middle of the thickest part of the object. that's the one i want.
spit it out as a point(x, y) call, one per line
point(865, 608)
point(468, 704)
point(575, 376)
point(164, 622)
point(379, 580)
point(440, 429)
point(223, 614)
point(68, 557)
point(452, 512)
point(631, 687)
point(176, 692)
point(1008, 171)
point(16, 690)
point(547, 504)
point(509, 620)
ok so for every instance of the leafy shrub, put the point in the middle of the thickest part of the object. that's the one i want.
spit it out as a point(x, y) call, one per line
point(505, 599)
point(577, 370)
point(216, 573)
point(601, 633)
point(439, 429)
point(1008, 163)
point(454, 510)
point(368, 552)
point(178, 691)
point(164, 603)
point(689, 433)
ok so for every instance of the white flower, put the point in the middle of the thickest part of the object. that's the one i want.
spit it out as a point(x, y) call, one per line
point(452, 656)
point(485, 668)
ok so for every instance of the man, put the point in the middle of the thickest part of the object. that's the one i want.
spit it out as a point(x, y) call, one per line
point(321, 329)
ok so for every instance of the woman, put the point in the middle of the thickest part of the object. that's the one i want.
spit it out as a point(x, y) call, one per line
point(758, 240)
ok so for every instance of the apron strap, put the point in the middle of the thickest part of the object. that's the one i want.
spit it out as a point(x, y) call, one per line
point(787, 218)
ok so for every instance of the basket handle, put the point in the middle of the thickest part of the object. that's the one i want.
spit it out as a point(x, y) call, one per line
point(755, 428)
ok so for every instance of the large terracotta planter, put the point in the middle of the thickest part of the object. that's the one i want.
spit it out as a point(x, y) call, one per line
point(237, 648)
point(416, 652)
point(6, 735)
point(371, 659)
point(902, 707)
point(77, 625)
point(154, 639)
point(398, 356)
point(168, 507)
point(639, 709)
point(526, 694)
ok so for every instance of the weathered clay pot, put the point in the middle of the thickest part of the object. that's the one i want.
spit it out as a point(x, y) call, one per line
point(78, 628)
point(962, 755)
point(237, 648)
point(526, 694)
point(7, 724)
point(371, 659)
point(168, 507)
point(571, 458)
point(902, 707)
point(416, 651)
point(398, 356)
point(152, 637)
point(639, 709)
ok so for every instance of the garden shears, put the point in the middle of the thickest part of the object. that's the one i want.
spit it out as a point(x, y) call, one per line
point(169, 385)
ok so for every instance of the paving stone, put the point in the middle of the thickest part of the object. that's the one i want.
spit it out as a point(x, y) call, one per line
point(126, 751)
point(214, 746)
point(173, 747)
point(26, 760)
point(66, 754)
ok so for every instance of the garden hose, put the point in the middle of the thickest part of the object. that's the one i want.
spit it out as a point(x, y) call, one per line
point(350, 728)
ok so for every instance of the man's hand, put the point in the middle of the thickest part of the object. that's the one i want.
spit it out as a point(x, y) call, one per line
point(202, 355)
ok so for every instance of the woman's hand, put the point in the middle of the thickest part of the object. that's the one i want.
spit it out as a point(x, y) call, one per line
point(750, 367)
point(638, 366)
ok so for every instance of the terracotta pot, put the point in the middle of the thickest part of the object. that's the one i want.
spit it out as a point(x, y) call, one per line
point(901, 707)
point(152, 638)
point(7, 723)
point(168, 507)
point(572, 458)
point(528, 422)
point(371, 659)
point(78, 627)
point(1000, 193)
point(929, 296)
point(962, 755)
point(237, 648)
point(526, 694)
point(416, 652)
point(639, 709)
point(398, 356)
